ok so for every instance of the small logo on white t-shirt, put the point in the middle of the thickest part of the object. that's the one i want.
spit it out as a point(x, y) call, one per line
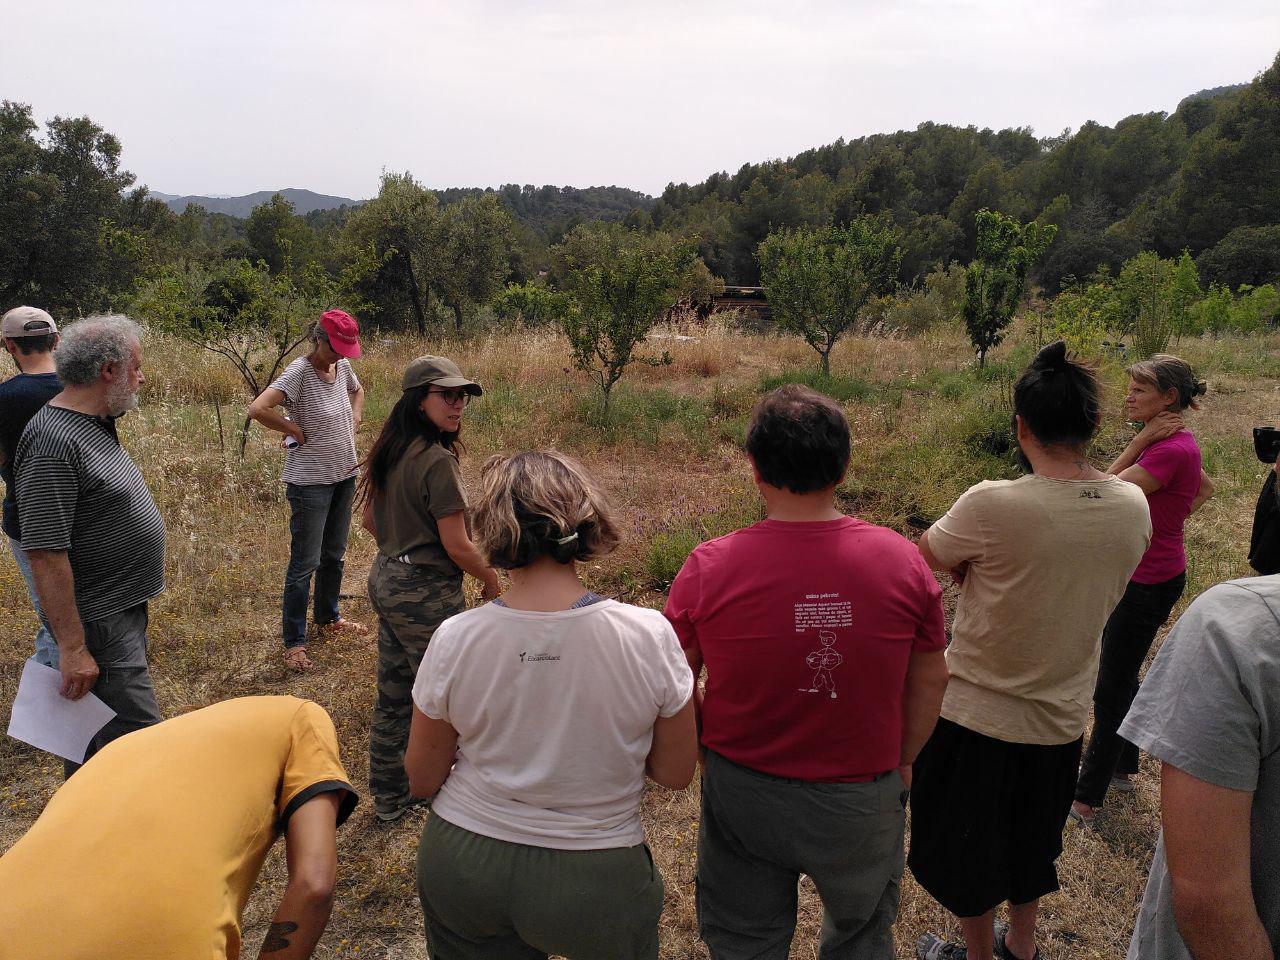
point(526, 657)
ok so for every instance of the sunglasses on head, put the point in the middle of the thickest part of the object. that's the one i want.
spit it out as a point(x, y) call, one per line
point(453, 396)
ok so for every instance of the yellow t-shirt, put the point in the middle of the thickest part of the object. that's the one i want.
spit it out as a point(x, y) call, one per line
point(1048, 562)
point(150, 851)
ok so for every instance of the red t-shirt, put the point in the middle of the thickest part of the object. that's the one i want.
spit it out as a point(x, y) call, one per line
point(806, 630)
point(1175, 462)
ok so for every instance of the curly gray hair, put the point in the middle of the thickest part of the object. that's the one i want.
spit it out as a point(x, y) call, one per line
point(90, 344)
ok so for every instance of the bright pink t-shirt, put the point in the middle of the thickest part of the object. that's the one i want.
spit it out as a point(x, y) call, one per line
point(806, 630)
point(1175, 462)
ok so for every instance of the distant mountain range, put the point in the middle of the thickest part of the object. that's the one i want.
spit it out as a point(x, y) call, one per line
point(304, 201)
point(547, 209)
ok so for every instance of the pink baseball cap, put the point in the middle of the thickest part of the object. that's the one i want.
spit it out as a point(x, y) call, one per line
point(344, 335)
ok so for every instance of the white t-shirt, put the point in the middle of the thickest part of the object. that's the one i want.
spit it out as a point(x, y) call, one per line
point(555, 715)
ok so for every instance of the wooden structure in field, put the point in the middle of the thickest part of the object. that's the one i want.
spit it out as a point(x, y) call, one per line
point(751, 300)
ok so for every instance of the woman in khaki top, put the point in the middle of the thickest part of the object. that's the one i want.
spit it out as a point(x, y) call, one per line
point(415, 507)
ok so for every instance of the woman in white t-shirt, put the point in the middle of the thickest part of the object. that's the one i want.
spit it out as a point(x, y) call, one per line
point(536, 718)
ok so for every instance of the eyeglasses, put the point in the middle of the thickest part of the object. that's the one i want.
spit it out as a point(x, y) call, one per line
point(453, 396)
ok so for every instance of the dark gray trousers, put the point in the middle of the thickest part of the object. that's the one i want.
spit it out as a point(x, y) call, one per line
point(119, 645)
point(758, 833)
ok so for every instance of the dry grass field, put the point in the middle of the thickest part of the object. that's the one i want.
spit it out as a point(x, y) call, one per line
point(926, 425)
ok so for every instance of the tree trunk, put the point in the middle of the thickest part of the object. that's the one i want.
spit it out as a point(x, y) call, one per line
point(416, 297)
point(222, 439)
point(244, 436)
point(826, 362)
point(982, 357)
point(457, 316)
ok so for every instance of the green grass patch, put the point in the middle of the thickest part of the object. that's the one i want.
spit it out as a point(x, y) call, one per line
point(645, 416)
point(669, 549)
point(839, 388)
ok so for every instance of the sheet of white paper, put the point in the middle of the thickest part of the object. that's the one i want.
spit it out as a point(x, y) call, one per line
point(45, 719)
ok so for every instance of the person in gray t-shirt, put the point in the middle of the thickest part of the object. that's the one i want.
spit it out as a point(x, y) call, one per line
point(1209, 710)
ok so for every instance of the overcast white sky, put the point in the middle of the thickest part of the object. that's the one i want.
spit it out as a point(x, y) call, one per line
point(233, 96)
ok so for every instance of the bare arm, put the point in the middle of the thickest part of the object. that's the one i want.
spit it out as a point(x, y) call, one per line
point(673, 756)
point(1204, 494)
point(1206, 837)
point(312, 853)
point(922, 693)
point(1141, 478)
point(263, 409)
point(357, 405)
point(429, 756)
point(456, 543)
point(1160, 427)
point(693, 653)
point(933, 563)
point(55, 587)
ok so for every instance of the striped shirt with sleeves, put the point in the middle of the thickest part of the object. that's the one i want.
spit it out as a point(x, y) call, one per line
point(80, 492)
point(323, 411)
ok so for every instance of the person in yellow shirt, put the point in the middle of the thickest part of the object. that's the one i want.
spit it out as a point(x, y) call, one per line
point(151, 850)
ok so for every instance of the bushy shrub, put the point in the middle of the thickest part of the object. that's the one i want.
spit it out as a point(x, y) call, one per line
point(1220, 312)
point(938, 302)
point(532, 304)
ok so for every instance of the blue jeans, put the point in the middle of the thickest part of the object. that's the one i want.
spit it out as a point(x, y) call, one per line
point(46, 648)
point(318, 523)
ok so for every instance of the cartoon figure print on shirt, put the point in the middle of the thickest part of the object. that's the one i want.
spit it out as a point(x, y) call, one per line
point(822, 662)
point(824, 612)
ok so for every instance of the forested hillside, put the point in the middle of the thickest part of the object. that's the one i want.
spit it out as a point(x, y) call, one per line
point(1205, 177)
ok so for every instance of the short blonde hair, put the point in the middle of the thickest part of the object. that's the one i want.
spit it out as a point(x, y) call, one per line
point(1165, 372)
point(540, 503)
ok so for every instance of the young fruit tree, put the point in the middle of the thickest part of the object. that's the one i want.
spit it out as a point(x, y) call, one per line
point(821, 280)
point(241, 312)
point(995, 279)
point(620, 283)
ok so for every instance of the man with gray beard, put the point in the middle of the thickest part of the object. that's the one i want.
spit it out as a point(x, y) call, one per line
point(91, 530)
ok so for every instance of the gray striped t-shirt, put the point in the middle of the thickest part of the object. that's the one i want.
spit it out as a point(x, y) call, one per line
point(323, 411)
point(80, 492)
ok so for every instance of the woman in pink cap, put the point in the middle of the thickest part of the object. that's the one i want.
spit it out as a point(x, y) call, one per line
point(324, 401)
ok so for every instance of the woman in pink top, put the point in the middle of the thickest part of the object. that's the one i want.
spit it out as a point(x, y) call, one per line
point(1164, 460)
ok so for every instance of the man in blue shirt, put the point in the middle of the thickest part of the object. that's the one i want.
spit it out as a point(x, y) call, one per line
point(30, 336)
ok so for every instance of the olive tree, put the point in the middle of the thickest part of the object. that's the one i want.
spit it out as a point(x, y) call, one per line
point(997, 275)
point(820, 281)
point(620, 283)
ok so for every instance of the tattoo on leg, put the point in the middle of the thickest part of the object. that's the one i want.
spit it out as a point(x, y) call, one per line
point(276, 936)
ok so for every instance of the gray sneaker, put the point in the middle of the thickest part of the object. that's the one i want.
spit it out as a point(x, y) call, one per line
point(1123, 783)
point(391, 816)
point(930, 946)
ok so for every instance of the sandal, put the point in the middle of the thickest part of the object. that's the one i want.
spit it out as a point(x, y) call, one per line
point(297, 659)
point(341, 626)
point(1083, 819)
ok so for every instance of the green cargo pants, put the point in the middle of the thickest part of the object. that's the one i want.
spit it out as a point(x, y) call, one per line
point(487, 899)
point(410, 601)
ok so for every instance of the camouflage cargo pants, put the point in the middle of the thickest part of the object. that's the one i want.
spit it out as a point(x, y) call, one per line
point(410, 601)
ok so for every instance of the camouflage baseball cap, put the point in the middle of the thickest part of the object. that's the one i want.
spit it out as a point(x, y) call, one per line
point(439, 372)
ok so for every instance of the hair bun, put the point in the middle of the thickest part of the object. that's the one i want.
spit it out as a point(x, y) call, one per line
point(1052, 357)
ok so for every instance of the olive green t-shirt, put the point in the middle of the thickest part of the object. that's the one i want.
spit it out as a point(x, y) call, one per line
point(425, 486)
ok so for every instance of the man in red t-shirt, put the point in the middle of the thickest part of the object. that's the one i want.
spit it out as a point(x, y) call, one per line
point(823, 640)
